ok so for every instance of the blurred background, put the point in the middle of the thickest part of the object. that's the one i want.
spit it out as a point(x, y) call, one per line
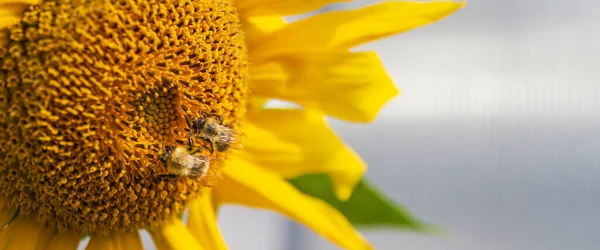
point(495, 138)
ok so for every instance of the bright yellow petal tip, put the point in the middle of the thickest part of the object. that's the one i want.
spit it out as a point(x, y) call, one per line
point(349, 28)
point(346, 85)
point(297, 142)
point(247, 184)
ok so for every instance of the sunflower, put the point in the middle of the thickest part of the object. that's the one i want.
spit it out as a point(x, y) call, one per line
point(92, 90)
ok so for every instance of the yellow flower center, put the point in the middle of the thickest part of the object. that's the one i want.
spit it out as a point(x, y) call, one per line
point(89, 92)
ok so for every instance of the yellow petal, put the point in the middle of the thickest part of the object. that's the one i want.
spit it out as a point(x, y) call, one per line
point(346, 29)
point(297, 142)
point(267, 75)
point(349, 86)
point(116, 241)
point(247, 184)
point(248, 8)
point(257, 28)
point(159, 241)
point(11, 11)
point(3, 235)
point(256, 104)
point(7, 213)
point(44, 238)
point(8, 20)
point(25, 228)
point(26, 2)
point(175, 235)
point(202, 222)
point(64, 241)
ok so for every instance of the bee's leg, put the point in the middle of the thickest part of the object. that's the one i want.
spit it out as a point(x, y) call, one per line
point(166, 175)
point(190, 140)
point(204, 117)
point(220, 119)
point(223, 147)
point(212, 146)
point(188, 119)
point(162, 176)
point(195, 151)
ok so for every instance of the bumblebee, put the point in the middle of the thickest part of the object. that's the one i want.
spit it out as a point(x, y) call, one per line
point(211, 129)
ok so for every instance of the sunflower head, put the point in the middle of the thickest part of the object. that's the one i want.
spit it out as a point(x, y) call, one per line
point(91, 90)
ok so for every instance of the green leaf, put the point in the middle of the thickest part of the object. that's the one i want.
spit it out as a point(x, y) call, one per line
point(367, 207)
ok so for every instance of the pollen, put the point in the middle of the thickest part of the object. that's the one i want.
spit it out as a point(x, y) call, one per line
point(89, 93)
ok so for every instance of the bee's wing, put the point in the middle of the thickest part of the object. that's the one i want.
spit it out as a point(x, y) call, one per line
point(239, 142)
point(234, 139)
point(199, 166)
point(198, 160)
point(216, 164)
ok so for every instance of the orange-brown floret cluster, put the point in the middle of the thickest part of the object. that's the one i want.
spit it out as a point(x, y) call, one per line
point(91, 89)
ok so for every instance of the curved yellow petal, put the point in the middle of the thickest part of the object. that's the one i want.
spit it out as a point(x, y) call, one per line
point(248, 8)
point(159, 240)
point(11, 11)
point(116, 241)
point(202, 222)
point(257, 28)
point(25, 228)
point(174, 235)
point(247, 184)
point(346, 29)
point(346, 85)
point(64, 241)
point(297, 142)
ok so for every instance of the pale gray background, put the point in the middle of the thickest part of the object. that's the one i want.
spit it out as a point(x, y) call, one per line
point(495, 137)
